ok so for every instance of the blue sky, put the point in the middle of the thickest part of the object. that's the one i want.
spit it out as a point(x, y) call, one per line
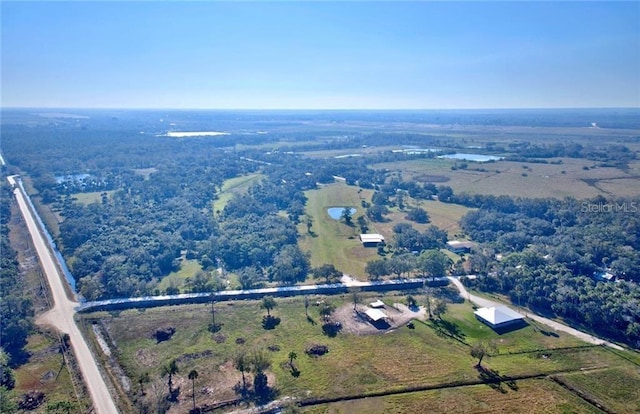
point(297, 55)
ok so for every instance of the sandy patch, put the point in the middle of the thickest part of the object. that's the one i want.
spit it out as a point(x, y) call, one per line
point(356, 322)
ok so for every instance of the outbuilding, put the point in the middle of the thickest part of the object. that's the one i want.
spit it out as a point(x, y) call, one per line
point(372, 240)
point(460, 246)
point(376, 315)
point(499, 317)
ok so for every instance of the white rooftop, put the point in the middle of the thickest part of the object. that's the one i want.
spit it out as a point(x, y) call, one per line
point(372, 238)
point(377, 304)
point(498, 315)
point(376, 314)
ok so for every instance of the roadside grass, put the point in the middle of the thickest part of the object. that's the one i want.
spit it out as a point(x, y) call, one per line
point(46, 372)
point(354, 365)
point(332, 241)
point(233, 186)
point(617, 388)
point(535, 395)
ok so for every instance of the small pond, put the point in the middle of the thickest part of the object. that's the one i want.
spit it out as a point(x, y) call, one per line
point(336, 212)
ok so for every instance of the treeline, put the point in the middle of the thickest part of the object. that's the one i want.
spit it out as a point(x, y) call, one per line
point(16, 309)
point(552, 255)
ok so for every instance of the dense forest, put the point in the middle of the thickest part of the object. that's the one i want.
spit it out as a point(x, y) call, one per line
point(552, 255)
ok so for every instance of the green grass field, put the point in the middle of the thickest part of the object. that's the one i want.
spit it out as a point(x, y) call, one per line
point(237, 185)
point(356, 365)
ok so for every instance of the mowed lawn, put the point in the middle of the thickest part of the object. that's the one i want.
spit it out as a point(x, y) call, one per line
point(355, 365)
point(332, 241)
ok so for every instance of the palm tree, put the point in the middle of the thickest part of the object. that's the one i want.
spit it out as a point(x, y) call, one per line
point(193, 375)
point(292, 356)
point(170, 370)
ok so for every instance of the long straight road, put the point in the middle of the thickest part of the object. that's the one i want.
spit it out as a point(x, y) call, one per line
point(61, 315)
point(486, 303)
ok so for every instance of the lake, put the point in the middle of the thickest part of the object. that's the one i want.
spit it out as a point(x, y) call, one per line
point(471, 157)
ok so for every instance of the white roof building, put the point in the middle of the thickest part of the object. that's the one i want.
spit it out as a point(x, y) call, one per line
point(377, 304)
point(376, 315)
point(498, 317)
point(372, 239)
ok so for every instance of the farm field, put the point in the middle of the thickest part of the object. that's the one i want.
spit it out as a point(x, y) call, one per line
point(577, 178)
point(530, 396)
point(433, 354)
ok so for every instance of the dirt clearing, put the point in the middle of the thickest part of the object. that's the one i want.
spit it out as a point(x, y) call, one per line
point(357, 322)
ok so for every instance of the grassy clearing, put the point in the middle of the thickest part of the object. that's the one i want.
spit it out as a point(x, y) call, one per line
point(354, 364)
point(332, 241)
point(537, 396)
point(188, 268)
point(145, 172)
point(443, 215)
point(237, 185)
point(92, 197)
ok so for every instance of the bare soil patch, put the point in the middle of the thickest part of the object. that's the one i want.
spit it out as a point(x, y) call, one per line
point(356, 322)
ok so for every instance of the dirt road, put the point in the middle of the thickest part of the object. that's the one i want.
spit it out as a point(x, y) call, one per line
point(486, 303)
point(61, 316)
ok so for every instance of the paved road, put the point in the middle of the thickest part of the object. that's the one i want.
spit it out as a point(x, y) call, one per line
point(61, 315)
point(486, 303)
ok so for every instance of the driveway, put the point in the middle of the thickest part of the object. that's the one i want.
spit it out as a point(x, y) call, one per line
point(486, 303)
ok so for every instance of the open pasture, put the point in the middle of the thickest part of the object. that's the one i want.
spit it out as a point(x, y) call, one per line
point(432, 354)
point(577, 178)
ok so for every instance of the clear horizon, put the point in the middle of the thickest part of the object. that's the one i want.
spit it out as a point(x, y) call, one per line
point(320, 55)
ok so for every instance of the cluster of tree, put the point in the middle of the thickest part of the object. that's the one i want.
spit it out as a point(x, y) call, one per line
point(408, 239)
point(553, 251)
point(430, 263)
point(613, 154)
